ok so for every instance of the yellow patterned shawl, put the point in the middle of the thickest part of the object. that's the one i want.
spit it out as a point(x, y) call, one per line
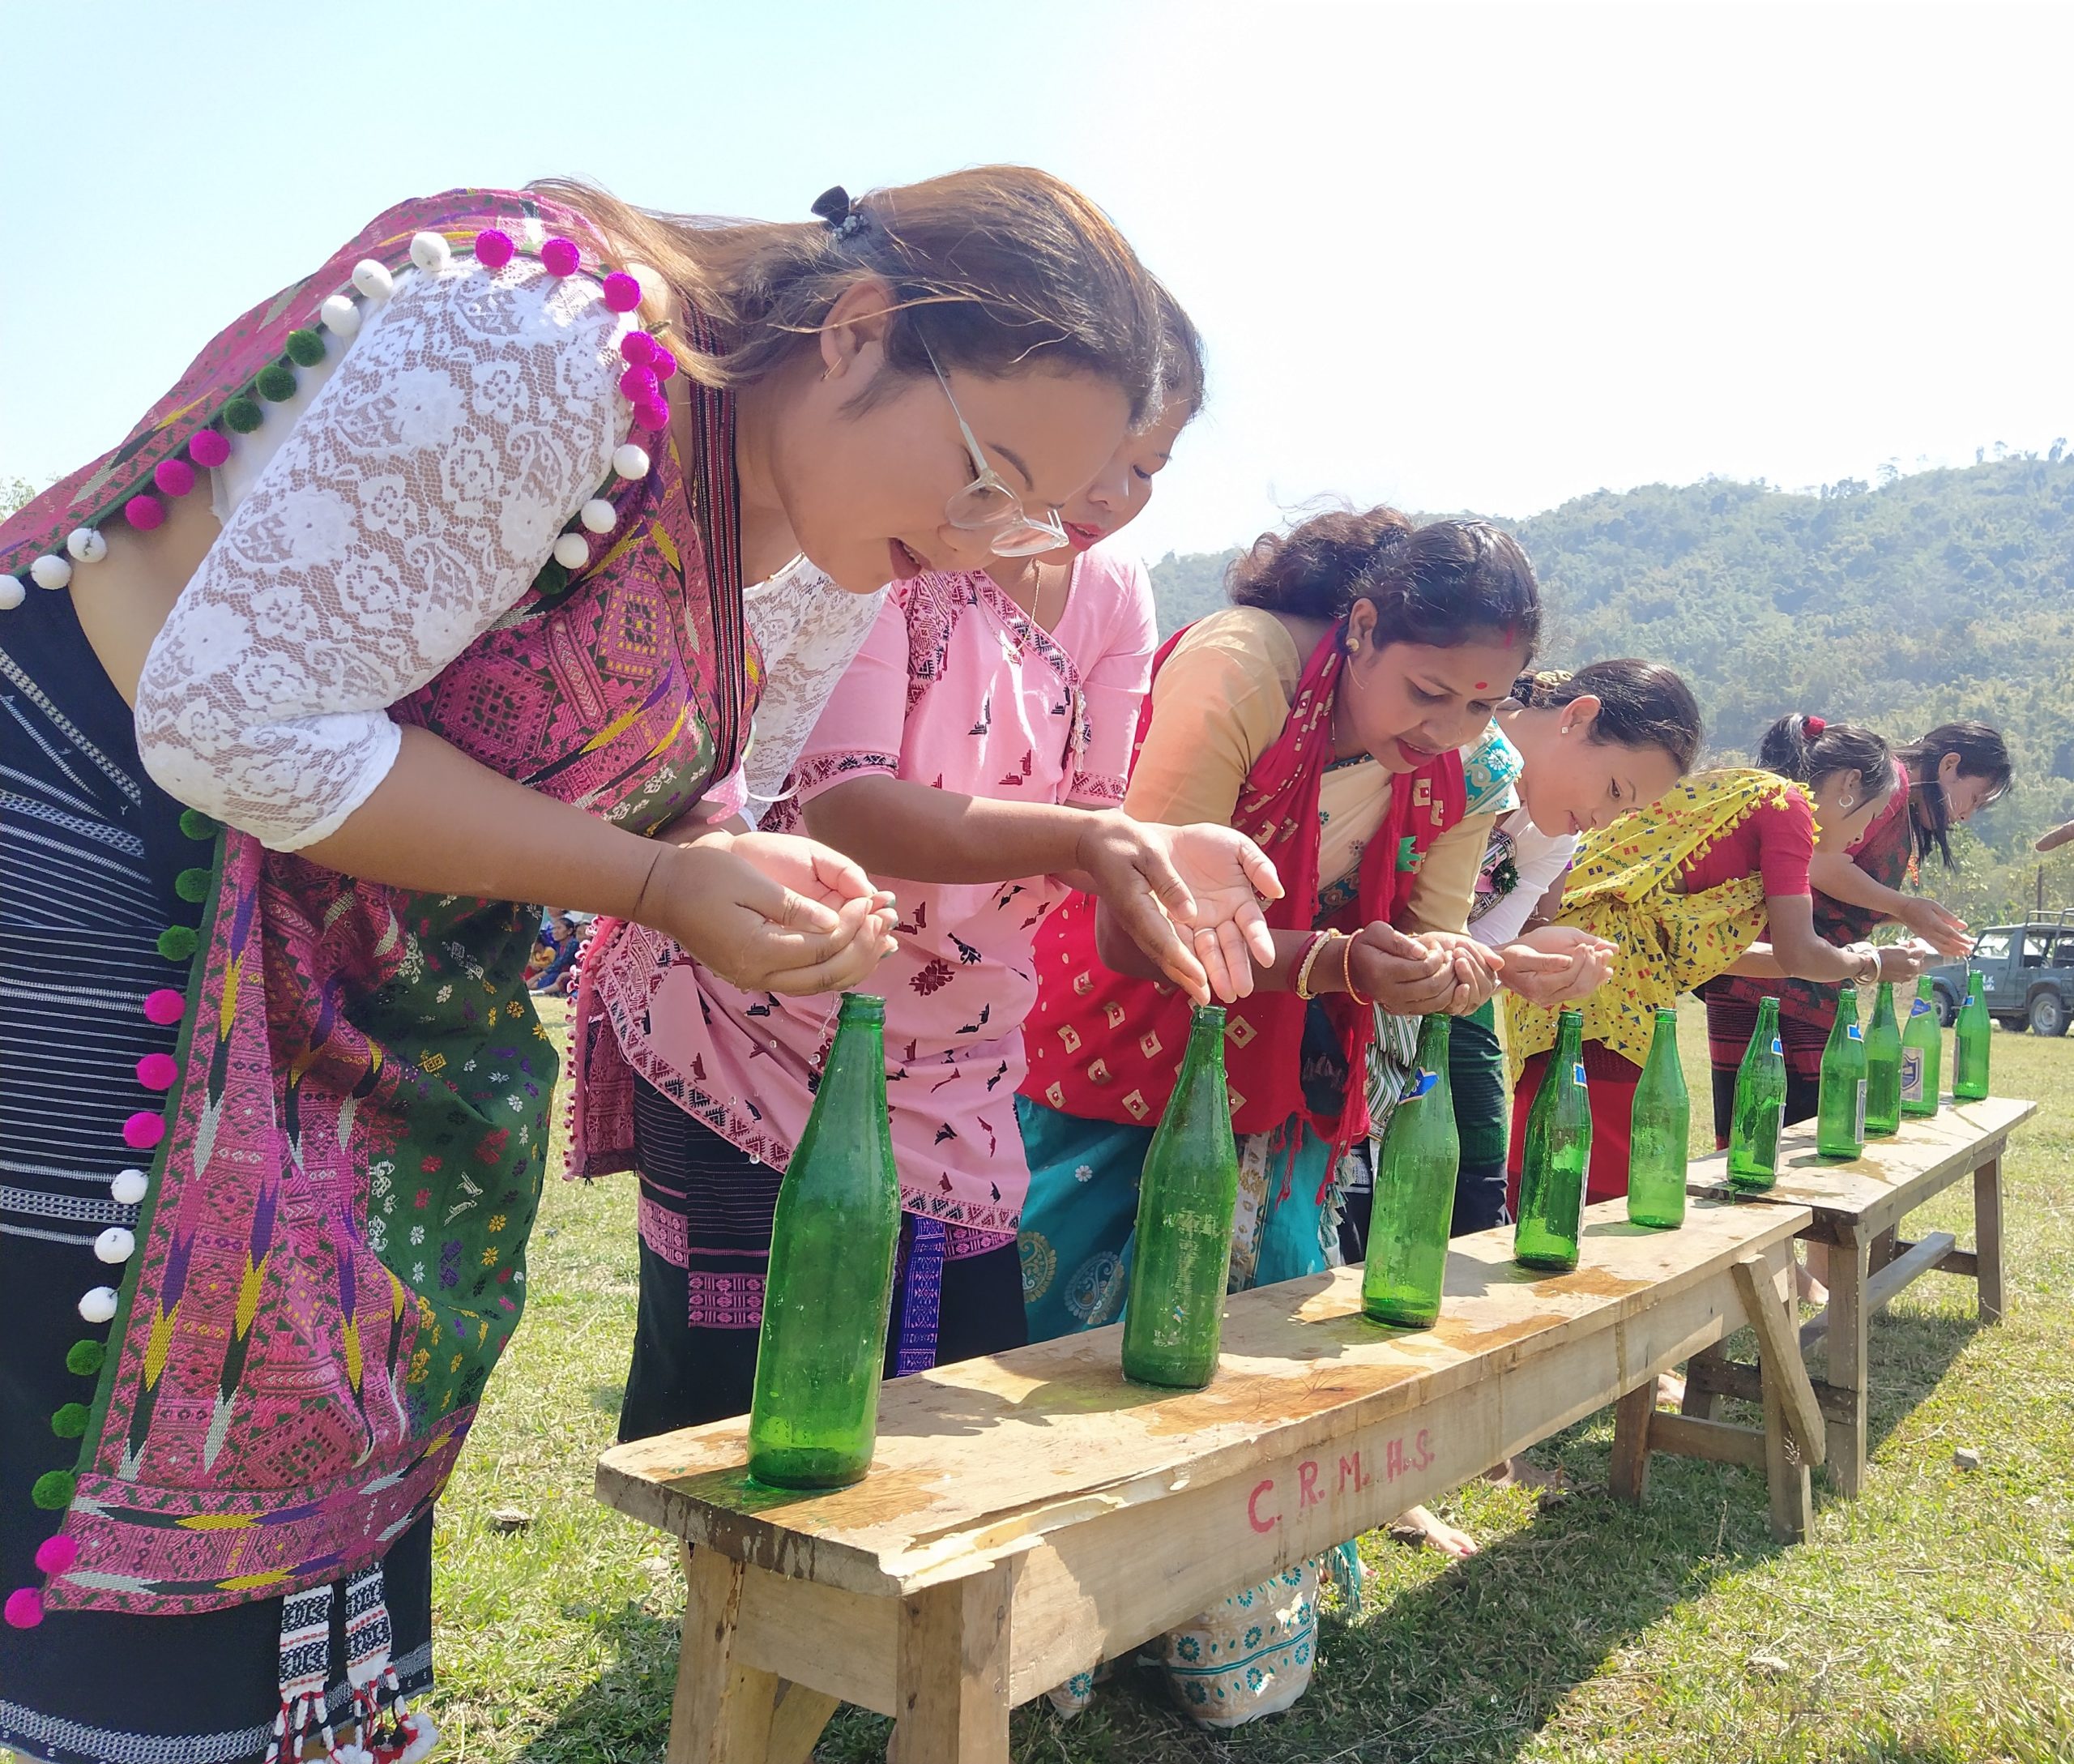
point(1620, 888)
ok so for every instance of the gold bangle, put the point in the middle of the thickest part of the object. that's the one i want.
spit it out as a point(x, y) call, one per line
point(1346, 975)
point(1319, 940)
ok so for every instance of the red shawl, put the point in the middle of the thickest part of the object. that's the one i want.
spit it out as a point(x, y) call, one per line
point(1107, 1047)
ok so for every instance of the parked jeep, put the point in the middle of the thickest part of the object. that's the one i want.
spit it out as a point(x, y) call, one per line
point(2026, 970)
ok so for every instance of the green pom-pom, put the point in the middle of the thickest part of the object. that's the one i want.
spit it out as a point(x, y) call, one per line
point(70, 1421)
point(52, 1490)
point(197, 825)
point(274, 383)
point(241, 416)
point(192, 884)
point(85, 1357)
point(552, 578)
point(305, 349)
point(176, 942)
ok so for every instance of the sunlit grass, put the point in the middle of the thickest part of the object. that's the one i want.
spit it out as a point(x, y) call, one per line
point(1931, 1620)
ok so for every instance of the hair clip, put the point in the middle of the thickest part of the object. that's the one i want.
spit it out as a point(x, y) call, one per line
point(833, 206)
point(1814, 725)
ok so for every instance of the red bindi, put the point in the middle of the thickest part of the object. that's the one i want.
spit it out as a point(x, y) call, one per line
point(1482, 685)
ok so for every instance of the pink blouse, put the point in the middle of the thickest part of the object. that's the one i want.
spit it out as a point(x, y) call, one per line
point(954, 687)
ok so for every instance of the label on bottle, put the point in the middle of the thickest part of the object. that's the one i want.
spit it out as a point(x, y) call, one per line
point(1577, 1071)
point(1854, 1033)
point(1424, 1081)
point(1911, 1074)
point(1776, 1047)
point(1858, 1134)
point(1920, 1008)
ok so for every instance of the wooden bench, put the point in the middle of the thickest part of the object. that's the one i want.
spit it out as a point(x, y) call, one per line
point(1029, 1515)
point(1857, 1208)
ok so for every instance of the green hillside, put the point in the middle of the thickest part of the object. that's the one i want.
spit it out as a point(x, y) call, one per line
point(1942, 594)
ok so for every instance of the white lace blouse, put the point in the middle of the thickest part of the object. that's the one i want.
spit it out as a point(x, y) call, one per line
point(409, 507)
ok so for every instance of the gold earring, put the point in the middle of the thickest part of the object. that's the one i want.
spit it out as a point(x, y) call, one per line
point(1353, 646)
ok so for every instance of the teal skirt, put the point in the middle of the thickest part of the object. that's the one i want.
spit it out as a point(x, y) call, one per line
point(1081, 1217)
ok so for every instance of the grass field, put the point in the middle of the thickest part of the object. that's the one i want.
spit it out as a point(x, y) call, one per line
point(1932, 1620)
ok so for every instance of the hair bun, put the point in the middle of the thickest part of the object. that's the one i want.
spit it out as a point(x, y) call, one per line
point(1814, 725)
point(833, 205)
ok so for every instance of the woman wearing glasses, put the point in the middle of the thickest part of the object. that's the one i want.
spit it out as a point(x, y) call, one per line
point(418, 597)
point(972, 757)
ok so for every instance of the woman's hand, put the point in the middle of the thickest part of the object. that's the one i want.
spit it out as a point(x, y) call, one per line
point(1205, 881)
point(1475, 969)
point(1905, 961)
point(769, 912)
point(1402, 974)
point(1943, 930)
point(1554, 964)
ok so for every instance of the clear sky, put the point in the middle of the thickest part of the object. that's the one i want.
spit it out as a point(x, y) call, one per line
point(1468, 255)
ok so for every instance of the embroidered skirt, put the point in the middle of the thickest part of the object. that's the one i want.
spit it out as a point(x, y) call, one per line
point(87, 862)
point(706, 1211)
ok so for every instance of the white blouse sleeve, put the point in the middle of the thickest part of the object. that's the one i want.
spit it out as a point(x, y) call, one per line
point(411, 507)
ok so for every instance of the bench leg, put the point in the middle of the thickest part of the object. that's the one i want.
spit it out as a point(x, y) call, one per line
point(1987, 1238)
point(1792, 1422)
point(722, 1712)
point(796, 1723)
point(1850, 1268)
point(952, 1699)
point(1628, 1475)
point(1699, 1396)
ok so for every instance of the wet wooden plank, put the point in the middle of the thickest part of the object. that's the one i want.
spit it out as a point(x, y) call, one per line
point(983, 1460)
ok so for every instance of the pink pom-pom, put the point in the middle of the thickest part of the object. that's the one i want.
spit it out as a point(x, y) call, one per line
point(144, 513)
point(655, 416)
point(493, 248)
point(641, 385)
point(142, 1131)
point(163, 1006)
point(176, 477)
point(561, 257)
point(157, 1071)
point(637, 349)
point(208, 449)
point(664, 364)
point(622, 292)
point(23, 1609)
point(54, 1555)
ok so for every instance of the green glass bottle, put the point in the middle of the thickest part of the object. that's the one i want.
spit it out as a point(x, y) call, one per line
point(814, 1417)
point(1971, 1040)
point(1558, 1154)
point(1923, 1054)
point(1174, 1307)
point(1415, 1200)
point(1839, 1106)
point(1759, 1110)
point(1659, 1133)
point(1882, 1066)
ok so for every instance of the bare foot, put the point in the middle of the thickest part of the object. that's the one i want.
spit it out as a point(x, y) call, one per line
point(1421, 1525)
point(1809, 1290)
point(1669, 1390)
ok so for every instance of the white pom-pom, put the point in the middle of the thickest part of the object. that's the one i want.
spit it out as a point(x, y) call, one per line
point(572, 551)
point(12, 593)
point(339, 315)
point(86, 546)
point(129, 1187)
point(630, 461)
point(422, 1735)
point(115, 1245)
point(531, 235)
point(352, 1754)
point(430, 252)
point(51, 571)
point(98, 1305)
point(373, 279)
point(598, 515)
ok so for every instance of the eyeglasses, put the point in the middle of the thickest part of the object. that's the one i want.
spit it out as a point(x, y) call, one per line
point(988, 505)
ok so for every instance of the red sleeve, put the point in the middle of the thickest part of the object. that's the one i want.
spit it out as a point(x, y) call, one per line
point(1786, 841)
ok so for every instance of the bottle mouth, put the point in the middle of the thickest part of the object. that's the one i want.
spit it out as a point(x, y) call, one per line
point(1206, 1016)
point(862, 1007)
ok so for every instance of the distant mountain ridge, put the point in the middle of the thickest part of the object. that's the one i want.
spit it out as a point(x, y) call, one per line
point(1939, 595)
